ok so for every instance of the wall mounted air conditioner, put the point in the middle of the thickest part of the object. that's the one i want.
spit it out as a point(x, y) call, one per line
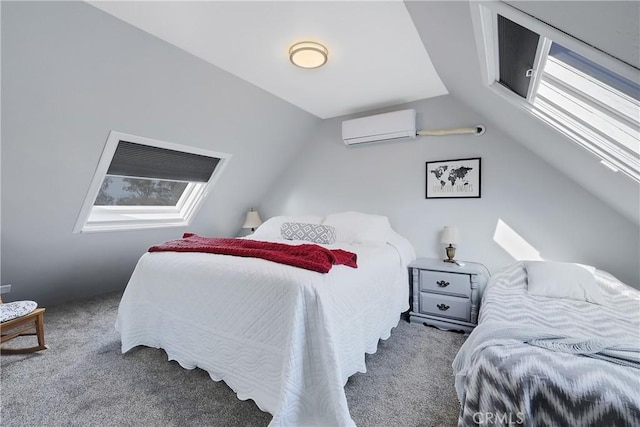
point(381, 127)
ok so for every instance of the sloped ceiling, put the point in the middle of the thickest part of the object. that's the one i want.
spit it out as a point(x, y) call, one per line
point(78, 72)
point(613, 27)
point(370, 45)
point(71, 74)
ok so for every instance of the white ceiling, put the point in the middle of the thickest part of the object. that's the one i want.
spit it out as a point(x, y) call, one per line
point(376, 57)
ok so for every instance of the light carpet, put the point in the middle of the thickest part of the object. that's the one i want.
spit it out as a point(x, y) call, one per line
point(84, 380)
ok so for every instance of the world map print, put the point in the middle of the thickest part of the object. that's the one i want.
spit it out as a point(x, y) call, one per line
point(456, 176)
point(453, 178)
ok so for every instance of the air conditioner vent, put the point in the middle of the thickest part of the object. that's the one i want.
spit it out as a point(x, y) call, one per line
point(380, 127)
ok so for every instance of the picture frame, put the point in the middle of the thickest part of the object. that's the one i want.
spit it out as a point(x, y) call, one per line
point(453, 179)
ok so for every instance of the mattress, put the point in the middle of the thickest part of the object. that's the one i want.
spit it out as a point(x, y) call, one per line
point(286, 337)
point(515, 383)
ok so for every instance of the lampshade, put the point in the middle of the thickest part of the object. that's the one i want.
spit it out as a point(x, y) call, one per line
point(308, 54)
point(450, 235)
point(253, 220)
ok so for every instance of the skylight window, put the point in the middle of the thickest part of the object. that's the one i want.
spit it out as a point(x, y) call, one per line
point(146, 183)
point(577, 93)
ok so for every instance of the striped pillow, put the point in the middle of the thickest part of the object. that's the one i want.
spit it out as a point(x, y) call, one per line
point(316, 233)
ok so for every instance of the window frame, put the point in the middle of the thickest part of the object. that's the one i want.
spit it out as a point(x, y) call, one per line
point(135, 217)
point(485, 27)
point(483, 16)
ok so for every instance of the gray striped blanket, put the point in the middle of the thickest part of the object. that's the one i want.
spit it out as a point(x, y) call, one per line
point(555, 362)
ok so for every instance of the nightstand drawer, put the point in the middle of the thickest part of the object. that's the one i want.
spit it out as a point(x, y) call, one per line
point(446, 283)
point(445, 306)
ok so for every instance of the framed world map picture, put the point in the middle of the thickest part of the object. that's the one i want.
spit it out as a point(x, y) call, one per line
point(450, 179)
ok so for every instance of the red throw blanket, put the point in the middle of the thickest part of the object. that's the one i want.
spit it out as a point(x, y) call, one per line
point(307, 256)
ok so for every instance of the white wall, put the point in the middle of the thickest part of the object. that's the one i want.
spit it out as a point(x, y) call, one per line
point(447, 32)
point(70, 74)
point(551, 212)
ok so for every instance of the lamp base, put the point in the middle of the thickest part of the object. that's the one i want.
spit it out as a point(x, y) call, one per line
point(451, 252)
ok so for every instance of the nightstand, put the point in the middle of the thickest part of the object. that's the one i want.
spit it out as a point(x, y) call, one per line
point(446, 295)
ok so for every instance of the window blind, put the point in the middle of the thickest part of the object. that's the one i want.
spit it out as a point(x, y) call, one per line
point(584, 101)
point(144, 161)
point(517, 51)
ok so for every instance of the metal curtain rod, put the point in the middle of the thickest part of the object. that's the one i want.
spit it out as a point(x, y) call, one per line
point(477, 130)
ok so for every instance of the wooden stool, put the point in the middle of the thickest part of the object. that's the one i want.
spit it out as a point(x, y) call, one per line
point(29, 324)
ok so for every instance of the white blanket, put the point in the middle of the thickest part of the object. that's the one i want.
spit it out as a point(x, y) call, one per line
point(285, 337)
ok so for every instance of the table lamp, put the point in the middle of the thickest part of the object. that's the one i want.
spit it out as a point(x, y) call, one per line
point(252, 221)
point(450, 236)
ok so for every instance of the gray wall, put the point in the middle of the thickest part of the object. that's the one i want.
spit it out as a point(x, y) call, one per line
point(552, 213)
point(612, 26)
point(70, 74)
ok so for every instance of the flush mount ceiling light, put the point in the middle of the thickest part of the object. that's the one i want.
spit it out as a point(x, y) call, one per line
point(308, 55)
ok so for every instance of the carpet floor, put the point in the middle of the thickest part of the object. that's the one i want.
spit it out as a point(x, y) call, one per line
point(84, 380)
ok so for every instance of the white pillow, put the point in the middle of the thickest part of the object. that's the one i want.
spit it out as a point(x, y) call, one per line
point(270, 229)
point(356, 227)
point(563, 280)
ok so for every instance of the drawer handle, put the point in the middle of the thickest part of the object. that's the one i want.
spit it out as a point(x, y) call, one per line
point(442, 283)
point(443, 307)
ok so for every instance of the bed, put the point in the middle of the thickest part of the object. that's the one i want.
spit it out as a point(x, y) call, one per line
point(552, 349)
point(286, 337)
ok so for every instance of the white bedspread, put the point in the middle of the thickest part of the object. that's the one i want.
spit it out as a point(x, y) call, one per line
point(285, 337)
